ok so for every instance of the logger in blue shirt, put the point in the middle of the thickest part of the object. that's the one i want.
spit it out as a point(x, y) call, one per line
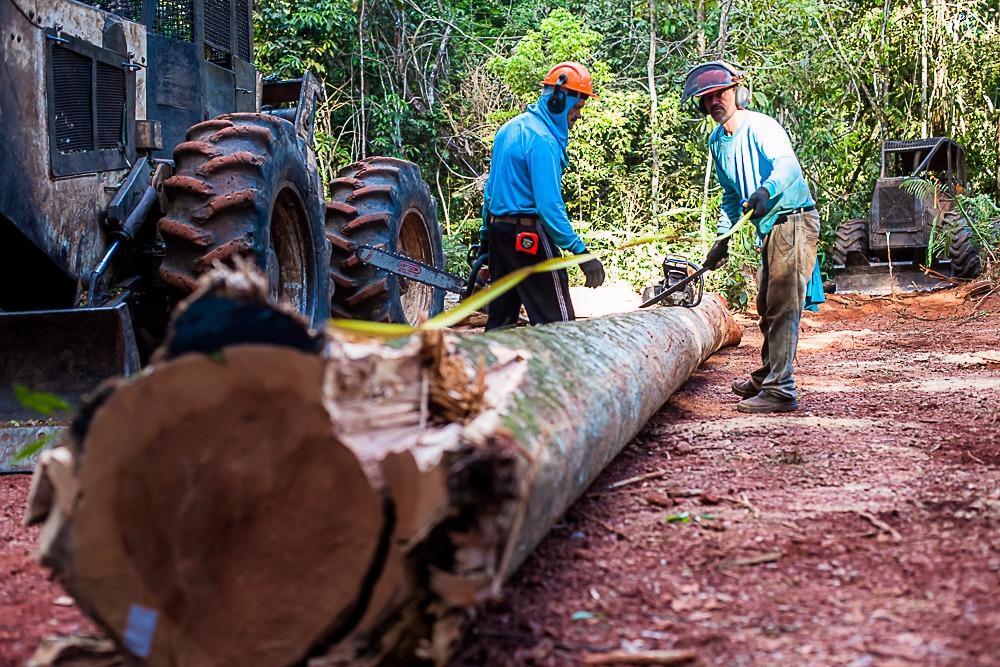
point(524, 216)
point(758, 170)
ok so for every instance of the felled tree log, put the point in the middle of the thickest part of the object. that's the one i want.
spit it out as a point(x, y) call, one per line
point(276, 505)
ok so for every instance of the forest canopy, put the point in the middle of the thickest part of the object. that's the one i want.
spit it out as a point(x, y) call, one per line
point(432, 82)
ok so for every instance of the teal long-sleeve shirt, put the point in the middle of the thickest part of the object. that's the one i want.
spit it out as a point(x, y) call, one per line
point(759, 154)
point(528, 159)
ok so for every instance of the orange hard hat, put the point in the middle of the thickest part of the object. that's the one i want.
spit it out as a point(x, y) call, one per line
point(578, 78)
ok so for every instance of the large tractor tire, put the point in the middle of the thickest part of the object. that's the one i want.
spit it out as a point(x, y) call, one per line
point(964, 251)
point(382, 202)
point(851, 238)
point(242, 186)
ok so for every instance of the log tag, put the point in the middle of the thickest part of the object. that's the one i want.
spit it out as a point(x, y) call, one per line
point(139, 629)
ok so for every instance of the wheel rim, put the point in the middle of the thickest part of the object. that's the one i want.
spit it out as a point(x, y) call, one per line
point(414, 242)
point(289, 269)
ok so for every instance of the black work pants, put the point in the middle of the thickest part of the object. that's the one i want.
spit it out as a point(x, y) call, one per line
point(545, 295)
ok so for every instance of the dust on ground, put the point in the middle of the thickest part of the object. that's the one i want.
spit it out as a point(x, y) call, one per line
point(862, 530)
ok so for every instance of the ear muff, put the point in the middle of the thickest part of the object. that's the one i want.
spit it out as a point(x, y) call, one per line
point(557, 101)
point(742, 97)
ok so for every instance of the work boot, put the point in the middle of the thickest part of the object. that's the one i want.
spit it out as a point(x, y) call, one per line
point(764, 402)
point(745, 388)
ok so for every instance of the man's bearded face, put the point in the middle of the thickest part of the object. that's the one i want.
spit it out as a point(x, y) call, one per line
point(721, 104)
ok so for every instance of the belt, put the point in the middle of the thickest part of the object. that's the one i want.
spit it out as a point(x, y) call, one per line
point(525, 220)
point(796, 211)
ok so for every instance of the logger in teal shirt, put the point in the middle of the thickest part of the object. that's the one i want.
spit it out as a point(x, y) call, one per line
point(757, 169)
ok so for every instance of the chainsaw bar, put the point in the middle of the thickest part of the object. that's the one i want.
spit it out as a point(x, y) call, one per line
point(410, 269)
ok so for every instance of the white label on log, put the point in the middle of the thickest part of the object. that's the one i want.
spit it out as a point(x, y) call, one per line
point(139, 629)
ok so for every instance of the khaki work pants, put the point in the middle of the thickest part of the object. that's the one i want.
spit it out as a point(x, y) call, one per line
point(788, 256)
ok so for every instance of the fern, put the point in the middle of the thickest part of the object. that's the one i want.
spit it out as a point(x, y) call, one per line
point(921, 188)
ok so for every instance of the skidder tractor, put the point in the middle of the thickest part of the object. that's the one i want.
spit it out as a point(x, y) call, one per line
point(138, 146)
point(885, 253)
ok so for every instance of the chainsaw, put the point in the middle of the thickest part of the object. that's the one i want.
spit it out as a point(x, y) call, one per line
point(683, 280)
point(411, 269)
point(683, 285)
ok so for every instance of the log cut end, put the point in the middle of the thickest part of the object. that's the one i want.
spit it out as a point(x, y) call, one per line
point(220, 517)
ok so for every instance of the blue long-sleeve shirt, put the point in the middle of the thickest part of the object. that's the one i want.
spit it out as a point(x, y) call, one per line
point(529, 156)
point(758, 154)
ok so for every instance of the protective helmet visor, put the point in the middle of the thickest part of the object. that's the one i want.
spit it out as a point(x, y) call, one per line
point(705, 79)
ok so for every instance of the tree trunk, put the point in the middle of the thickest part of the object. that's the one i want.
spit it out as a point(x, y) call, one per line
point(703, 232)
point(350, 506)
point(924, 112)
point(723, 28)
point(654, 144)
point(700, 20)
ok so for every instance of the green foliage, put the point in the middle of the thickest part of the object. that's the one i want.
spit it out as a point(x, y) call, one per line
point(560, 37)
point(982, 215)
point(432, 82)
point(46, 405)
point(39, 401)
point(32, 448)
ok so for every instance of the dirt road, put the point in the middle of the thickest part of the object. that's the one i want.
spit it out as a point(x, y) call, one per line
point(862, 530)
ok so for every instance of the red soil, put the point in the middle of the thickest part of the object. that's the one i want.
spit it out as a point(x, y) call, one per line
point(862, 530)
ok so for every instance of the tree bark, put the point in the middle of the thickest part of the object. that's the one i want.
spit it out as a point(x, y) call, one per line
point(347, 507)
point(723, 28)
point(654, 146)
point(924, 112)
point(700, 20)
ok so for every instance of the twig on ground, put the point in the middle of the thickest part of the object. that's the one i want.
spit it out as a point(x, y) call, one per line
point(769, 557)
point(638, 478)
point(986, 296)
point(937, 275)
point(673, 657)
point(742, 502)
point(881, 525)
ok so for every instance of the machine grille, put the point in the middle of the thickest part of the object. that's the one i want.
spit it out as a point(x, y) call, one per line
point(218, 32)
point(73, 84)
point(175, 19)
point(243, 38)
point(111, 110)
point(127, 9)
point(896, 209)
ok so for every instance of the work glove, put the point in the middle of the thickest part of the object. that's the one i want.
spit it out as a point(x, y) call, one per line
point(718, 254)
point(758, 202)
point(594, 271)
